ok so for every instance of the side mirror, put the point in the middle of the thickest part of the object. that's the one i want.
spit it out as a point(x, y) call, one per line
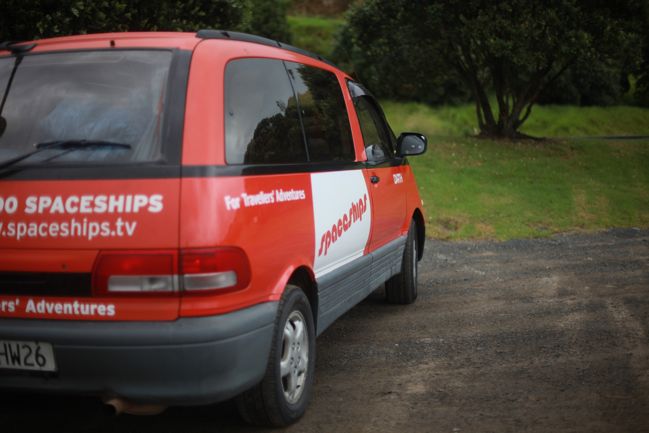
point(411, 143)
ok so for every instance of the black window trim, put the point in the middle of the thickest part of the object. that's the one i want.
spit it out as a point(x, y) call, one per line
point(297, 98)
point(305, 141)
point(190, 171)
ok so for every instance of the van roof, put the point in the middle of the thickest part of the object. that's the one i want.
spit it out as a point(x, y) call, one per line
point(118, 39)
point(183, 40)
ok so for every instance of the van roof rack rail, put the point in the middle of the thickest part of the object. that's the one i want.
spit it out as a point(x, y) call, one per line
point(15, 47)
point(245, 37)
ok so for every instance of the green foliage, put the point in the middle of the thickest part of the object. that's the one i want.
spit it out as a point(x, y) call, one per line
point(315, 34)
point(595, 84)
point(611, 80)
point(326, 8)
point(513, 48)
point(267, 18)
point(383, 45)
point(35, 19)
point(642, 68)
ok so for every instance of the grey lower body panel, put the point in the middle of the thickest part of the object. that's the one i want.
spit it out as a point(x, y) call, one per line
point(341, 289)
point(185, 362)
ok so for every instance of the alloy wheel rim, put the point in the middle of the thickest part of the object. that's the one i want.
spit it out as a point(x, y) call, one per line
point(295, 357)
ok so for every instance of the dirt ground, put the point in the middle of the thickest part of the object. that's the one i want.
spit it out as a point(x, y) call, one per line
point(544, 335)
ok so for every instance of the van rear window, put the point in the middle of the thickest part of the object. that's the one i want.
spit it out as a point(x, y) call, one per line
point(115, 97)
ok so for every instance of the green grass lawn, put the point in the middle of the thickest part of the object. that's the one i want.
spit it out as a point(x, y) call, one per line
point(474, 188)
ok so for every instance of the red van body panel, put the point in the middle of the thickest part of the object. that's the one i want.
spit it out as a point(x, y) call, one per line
point(277, 237)
point(95, 214)
point(60, 226)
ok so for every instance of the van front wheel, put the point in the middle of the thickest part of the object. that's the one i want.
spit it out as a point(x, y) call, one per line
point(283, 395)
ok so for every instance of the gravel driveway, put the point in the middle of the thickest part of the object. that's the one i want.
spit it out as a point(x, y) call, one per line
point(544, 335)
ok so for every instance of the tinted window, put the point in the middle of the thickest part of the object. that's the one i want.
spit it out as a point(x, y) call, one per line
point(376, 134)
point(324, 114)
point(261, 118)
point(116, 96)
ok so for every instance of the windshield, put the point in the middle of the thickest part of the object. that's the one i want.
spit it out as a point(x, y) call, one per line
point(108, 96)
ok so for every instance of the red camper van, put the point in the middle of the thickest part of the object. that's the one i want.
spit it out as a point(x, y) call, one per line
point(182, 214)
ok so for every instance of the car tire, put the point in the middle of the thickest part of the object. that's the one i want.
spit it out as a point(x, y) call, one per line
point(402, 288)
point(283, 395)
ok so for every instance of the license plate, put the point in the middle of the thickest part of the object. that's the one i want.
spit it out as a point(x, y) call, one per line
point(26, 355)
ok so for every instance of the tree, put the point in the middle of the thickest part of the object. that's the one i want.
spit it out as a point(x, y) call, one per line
point(35, 19)
point(330, 8)
point(642, 68)
point(511, 49)
point(379, 43)
point(588, 84)
point(267, 18)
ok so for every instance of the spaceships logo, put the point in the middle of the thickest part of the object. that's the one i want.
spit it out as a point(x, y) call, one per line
point(344, 223)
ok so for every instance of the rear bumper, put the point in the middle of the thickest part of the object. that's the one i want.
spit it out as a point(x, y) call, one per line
point(185, 362)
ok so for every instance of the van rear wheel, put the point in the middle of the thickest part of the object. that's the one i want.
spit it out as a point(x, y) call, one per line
point(402, 288)
point(283, 395)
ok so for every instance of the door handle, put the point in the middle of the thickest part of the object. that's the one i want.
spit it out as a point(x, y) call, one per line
point(374, 179)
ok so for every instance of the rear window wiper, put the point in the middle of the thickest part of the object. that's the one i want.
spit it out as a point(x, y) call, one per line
point(65, 145)
point(18, 51)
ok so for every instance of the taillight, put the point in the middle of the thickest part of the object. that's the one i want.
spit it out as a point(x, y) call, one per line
point(166, 272)
point(214, 269)
point(122, 272)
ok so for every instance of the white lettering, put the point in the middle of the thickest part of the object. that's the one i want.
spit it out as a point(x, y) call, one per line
point(116, 204)
point(101, 204)
point(44, 202)
point(72, 204)
point(30, 308)
point(232, 203)
point(30, 204)
point(155, 203)
point(139, 201)
point(290, 195)
point(56, 308)
point(85, 205)
point(8, 205)
point(260, 198)
point(130, 227)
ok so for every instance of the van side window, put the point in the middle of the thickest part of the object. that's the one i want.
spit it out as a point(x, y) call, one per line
point(261, 117)
point(376, 133)
point(324, 113)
